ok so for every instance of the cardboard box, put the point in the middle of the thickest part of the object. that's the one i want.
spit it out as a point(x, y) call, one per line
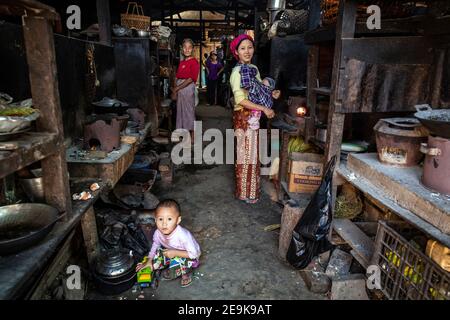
point(305, 172)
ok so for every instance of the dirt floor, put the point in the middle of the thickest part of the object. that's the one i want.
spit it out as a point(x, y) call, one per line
point(239, 259)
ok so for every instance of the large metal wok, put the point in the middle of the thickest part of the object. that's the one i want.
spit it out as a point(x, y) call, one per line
point(24, 225)
point(436, 120)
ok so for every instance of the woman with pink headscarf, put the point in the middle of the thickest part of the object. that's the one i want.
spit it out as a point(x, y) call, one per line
point(247, 167)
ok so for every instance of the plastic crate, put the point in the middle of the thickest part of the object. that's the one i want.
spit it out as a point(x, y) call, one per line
point(406, 272)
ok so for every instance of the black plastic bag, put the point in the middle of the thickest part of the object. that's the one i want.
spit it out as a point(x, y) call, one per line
point(310, 235)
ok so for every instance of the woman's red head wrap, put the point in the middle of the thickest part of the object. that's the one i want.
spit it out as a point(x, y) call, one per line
point(236, 42)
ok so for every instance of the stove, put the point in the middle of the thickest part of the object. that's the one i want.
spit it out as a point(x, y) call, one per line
point(102, 135)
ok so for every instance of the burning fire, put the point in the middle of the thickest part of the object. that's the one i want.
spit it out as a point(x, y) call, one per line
point(302, 111)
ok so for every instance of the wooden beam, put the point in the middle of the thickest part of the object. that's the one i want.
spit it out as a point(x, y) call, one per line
point(236, 16)
point(388, 50)
point(90, 235)
point(314, 15)
point(312, 74)
point(104, 21)
point(41, 58)
point(28, 8)
point(345, 29)
point(364, 247)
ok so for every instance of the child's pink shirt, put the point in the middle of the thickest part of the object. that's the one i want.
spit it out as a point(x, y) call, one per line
point(179, 239)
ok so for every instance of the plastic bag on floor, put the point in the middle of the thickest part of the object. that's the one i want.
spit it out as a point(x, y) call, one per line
point(310, 235)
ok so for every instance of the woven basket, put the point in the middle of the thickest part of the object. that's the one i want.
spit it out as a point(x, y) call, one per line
point(135, 17)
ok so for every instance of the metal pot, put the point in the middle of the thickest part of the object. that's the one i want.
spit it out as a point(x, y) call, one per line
point(398, 141)
point(436, 120)
point(108, 105)
point(114, 272)
point(436, 167)
point(34, 189)
point(24, 225)
point(114, 263)
point(120, 31)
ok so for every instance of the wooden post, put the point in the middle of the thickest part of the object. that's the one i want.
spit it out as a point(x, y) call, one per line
point(236, 17)
point(90, 235)
point(289, 219)
point(437, 81)
point(40, 49)
point(313, 65)
point(171, 14)
point(104, 21)
point(255, 57)
point(345, 28)
point(201, 47)
point(314, 15)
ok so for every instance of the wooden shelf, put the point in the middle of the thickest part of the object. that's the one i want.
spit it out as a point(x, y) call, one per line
point(403, 26)
point(378, 195)
point(363, 247)
point(19, 271)
point(323, 91)
point(33, 146)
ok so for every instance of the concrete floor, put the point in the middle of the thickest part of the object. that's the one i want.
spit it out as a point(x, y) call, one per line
point(239, 259)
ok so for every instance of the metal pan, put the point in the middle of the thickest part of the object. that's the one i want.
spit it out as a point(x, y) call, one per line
point(436, 120)
point(24, 225)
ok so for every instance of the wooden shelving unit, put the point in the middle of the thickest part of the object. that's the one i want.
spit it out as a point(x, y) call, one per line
point(46, 145)
point(401, 43)
point(18, 272)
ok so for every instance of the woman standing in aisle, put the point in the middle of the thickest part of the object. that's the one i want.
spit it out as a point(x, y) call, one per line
point(247, 167)
point(184, 91)
point(213, 69)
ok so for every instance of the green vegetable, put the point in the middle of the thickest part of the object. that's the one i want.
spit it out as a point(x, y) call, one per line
point(17, 112)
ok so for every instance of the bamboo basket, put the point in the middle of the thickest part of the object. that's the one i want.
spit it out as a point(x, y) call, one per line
point(135, 17)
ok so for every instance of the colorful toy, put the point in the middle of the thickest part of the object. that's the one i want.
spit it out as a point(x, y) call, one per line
point(145, 275)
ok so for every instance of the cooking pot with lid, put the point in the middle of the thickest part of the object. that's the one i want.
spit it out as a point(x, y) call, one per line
point(114, 271)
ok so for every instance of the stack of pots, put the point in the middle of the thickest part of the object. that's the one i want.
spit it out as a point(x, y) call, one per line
point(114, 272)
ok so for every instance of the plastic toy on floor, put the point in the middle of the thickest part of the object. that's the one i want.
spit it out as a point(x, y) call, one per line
point(145, 277)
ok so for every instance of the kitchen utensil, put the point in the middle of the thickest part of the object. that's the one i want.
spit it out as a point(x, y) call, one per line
point(436, 166)
point(109, 105)
point(114, 271)
point(24, 225)
point(436, 120)
point(10, 125)
point(142, 33)
point(34, 189)
point(121, 31)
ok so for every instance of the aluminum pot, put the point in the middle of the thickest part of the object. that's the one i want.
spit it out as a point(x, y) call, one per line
point(34, 189)
point(436, 120)
point(24, 225)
